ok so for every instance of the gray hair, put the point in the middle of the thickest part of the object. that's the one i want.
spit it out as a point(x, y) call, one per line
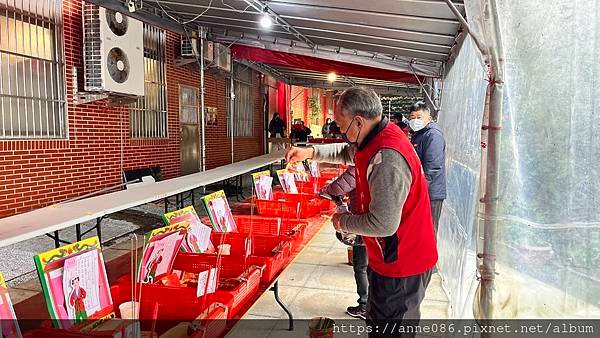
point(360, 101)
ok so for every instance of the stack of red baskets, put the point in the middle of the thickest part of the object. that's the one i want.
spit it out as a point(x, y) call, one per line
point(290, 205)
point(292, 230)
point(271, 251)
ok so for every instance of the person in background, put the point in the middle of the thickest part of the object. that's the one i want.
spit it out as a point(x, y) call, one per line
point(300, 132)
point(394, 213)
point(276, 126)
point(345, 185)
point(334, 130)
point(325, 129)
point(400, 121)
point(428, 140)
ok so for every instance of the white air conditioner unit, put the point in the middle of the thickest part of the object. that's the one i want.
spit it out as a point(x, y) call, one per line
point(189, 46)
point(209, 50)
point(222, 57)
point(113, 49)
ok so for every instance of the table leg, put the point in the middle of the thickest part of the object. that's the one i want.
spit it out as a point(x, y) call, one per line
point(78, 232)
point(99, 228)
point(275, 289)
point(242, 187)
point(56, 239)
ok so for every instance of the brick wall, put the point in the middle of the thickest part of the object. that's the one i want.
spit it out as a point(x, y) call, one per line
point(298, 103)
point(98, 148)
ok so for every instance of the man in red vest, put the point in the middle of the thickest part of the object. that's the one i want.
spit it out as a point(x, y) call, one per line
point(394, 215)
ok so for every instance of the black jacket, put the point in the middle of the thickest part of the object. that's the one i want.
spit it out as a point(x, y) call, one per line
point(431, 148)
point(276, 126)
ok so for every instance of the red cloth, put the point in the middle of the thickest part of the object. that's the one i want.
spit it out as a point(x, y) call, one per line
point(412, 249)
point(283, 100)
point(320, 65)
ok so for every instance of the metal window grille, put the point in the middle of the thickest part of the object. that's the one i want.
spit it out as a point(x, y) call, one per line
point(32, 86)
point(148, 116)
point(243, 103)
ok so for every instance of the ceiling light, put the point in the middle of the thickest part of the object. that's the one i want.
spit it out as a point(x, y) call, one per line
point(331, 77)
point(266, 21)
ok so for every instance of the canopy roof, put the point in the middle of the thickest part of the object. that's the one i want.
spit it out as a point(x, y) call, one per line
point(410, 36)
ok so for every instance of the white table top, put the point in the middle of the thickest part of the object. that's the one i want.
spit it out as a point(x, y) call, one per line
point(28, 225)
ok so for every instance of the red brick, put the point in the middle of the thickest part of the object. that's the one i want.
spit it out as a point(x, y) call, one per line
point(45, 171)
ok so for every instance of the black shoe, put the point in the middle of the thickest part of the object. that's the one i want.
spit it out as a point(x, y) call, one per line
point(357, 312)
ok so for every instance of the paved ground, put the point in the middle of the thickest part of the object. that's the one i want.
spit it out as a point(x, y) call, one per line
point(319, 283)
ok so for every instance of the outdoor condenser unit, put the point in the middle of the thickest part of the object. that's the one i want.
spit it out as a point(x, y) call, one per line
point(191, 48)
point(222, 57)
point(113, 50)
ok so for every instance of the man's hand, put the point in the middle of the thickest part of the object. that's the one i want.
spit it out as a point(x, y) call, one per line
point(336, 220)
point(295, 154)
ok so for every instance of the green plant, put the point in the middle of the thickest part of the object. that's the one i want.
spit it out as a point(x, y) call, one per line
point(315, 107)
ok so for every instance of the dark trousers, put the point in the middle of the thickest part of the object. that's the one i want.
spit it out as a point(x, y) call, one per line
point(394, 300)
point(359, 264)
point(436, 210)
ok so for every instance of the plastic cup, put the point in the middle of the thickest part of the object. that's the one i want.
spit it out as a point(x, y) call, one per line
point(130, 310)
point(225, 249)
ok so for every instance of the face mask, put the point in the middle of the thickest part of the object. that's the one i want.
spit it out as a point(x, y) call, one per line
point(416, 124)
point(345, 137)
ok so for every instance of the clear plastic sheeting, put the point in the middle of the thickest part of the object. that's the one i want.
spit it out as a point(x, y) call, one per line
point(460, 119)
point(548, 220)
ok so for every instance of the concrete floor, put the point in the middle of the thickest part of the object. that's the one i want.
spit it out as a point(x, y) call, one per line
point(319, 283)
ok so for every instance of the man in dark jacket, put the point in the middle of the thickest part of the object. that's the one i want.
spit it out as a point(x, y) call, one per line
point(429, 143)
point(276, 126)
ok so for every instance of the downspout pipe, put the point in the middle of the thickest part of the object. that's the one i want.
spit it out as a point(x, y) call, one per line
point(202, 107)
point(231, 110)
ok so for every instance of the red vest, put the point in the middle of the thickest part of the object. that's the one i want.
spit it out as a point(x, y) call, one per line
point(412, 249)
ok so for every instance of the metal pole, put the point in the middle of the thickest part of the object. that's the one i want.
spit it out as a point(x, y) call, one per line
point(231, 109)
point(495, 88)
point(466, 26)
point(202, 108)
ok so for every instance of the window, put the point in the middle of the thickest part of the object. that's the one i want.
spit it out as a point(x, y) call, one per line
point(32, 93)
point(188, 102)
point(148, 116)
point(243, 103)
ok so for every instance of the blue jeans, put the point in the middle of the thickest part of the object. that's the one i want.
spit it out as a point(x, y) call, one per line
point(359, 264)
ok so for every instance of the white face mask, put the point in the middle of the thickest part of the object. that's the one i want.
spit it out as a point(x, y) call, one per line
point(416, 124)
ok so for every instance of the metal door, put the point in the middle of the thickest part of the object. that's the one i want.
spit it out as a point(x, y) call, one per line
point(189, 130)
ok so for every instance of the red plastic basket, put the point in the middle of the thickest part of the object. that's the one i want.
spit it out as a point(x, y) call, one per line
point(174, 303)
point(212, 325)
point(292, 230)
point(313, 186)
point(271, 251)
point(245, 279)
point(289, 205)
point(60, 333)
point(330, 175)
